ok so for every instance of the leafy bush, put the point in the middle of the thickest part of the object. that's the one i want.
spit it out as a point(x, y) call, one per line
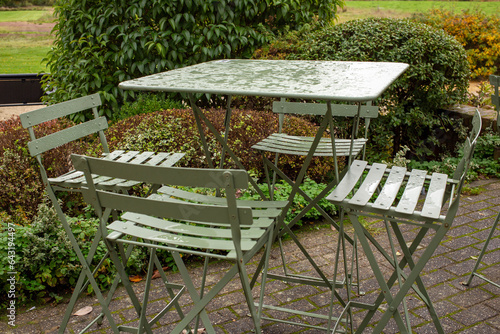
point(45, 262)
point(282, 191)
point(145, 103)
point(438, 74)
point(483, 163)
point(477, 32)
point(101, 43)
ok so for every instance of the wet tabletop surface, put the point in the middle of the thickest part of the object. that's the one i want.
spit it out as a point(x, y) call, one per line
point(323, 80)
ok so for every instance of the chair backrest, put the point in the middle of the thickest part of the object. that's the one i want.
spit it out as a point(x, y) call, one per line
point(283, 107)
point(463, 166)
point(39, 145)
point(495, 97)
point(104, 201)
point(33, 118)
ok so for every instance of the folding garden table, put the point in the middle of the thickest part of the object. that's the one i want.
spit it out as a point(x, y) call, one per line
point(355, 82)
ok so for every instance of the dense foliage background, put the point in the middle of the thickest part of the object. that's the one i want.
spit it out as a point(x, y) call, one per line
point(477, 32)
point(101, 43)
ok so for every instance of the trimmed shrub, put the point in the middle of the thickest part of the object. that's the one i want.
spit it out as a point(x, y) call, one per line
point(438, 75)
point(477, 32)
point(46, 265)
point(22, 187)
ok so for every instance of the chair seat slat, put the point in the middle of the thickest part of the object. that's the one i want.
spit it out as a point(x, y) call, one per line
point(172, 159)
point(390, 189)
point(412, 192)
point(369, 185)
point(435, 196)
point(348, 182)
point(127, 156)
point(196, 197)
point(175, 239)
point(193, 230)
point(298, 145)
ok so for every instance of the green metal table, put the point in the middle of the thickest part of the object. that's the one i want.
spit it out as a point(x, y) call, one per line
point(328, 81)
point(307, 80)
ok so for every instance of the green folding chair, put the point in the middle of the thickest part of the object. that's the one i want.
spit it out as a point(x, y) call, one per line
point(331, 146)
point(184, 222)
point(73, 180)
point(495, 99)
point(393, 195)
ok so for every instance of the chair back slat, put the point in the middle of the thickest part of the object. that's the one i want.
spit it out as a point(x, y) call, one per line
point(468, 148)
point(495, 97)
point(43, 144)
point(319, 109)
point(175, 176)
point(176, 210)
point(36, 117)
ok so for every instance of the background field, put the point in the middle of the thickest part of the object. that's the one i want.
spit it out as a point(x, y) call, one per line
point(25, 36)
point(401, 9)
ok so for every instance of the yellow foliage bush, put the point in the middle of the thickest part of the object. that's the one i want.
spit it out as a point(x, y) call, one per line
point(477, 32)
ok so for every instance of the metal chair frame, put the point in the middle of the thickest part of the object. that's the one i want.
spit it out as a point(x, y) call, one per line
point(282, 143)
point(74, 180)
point(495, 99)
point(372, 191)
point(184, 222)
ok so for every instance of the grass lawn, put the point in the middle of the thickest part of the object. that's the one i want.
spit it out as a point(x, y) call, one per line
point(26, 59)
point(23, 46)
point(26, 16)
point(400, 9)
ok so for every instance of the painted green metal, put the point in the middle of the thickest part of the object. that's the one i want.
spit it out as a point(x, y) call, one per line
point(305, 80)
point(495, 99)
point(282, 143)
point(73, 181)
point(313, 80)
point(357, 194)
point(183, 222)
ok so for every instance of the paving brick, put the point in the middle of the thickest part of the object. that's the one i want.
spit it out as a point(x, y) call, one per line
point(474, 309)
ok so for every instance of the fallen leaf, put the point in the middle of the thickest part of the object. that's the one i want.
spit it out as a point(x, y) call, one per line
point(83, 311)
point(135, 278)
point(156, 273)
point(200, 331)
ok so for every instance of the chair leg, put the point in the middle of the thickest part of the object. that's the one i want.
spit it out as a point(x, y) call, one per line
point(409, 280)
point(119, 265)
point(199, 303)
point(85, 274)
point(483, 251)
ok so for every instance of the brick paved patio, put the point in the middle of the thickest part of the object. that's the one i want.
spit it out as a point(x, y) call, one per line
point(474, 309)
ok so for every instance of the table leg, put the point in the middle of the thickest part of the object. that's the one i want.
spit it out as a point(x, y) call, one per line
point(202, 118)
point(409, 280)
